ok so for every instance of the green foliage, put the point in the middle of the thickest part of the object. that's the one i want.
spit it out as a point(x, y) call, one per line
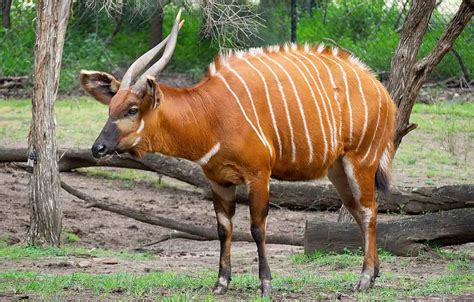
point(367, 29)
point(71, 237)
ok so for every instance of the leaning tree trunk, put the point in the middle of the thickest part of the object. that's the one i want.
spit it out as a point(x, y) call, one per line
point(156, 30)
point(406, 75)
point(46, 208)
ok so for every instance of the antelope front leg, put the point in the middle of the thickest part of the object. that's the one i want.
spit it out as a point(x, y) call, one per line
point(224, 206)
point(258, 202)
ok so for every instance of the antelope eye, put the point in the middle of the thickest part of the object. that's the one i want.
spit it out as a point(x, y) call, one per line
point(132, 111)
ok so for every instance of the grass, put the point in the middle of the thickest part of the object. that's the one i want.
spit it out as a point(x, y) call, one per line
point(308, 283)
point(18, 252)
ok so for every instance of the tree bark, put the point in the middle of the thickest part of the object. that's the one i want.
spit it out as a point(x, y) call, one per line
point(117, 25)
point(404, 237)
point(294, 21)
point(406, 75)
point(7, 5)
point(46, 208)
point(293, 195)
point(156, 30)
point(205, 233)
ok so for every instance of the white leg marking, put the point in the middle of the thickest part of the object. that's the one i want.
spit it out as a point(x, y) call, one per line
point(334, 87)
point(366, 216)
point(379, 102)
point(223, 220)
point(287, 110)
point(300, 107)
point(253, 107)
point(223, 281)
point(242, 109)
point(349, 106)
point(348, 168)
point(137, 140)
point(321, 124)
point(207, 157)
point(272, 114)
point(142, 126)
point(226, 193)
point(364, 101)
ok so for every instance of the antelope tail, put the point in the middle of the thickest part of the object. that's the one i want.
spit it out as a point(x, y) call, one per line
point(382, 176)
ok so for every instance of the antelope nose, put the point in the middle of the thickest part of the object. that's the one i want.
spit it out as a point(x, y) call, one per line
point(99, 150)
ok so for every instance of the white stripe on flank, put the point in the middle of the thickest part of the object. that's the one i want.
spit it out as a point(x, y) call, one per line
point(383, 131)
point(321, 124)
point(141, 127)
point(272, 114)
point(241, 108)
point(253, 107)
point(348, 101)
point(334, 87)
point(300, 107)
point(287, 110)
point(332, 122)
point(207, 157)
point(366, 109)
point(379, 102)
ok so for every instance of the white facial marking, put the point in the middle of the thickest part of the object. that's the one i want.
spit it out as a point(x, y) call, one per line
point(137, 140)
point(346, 162)
point(207, 157)
point(142, 126)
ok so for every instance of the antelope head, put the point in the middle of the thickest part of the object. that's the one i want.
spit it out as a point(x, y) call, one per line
point(129, 101)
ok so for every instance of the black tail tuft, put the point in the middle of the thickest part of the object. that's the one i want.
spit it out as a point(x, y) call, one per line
point(382, 180)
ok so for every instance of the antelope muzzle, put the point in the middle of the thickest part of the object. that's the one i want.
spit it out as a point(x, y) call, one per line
point(107, 141)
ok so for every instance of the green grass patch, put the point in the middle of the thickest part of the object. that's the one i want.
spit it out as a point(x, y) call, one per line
point(17, 252)
point(128, 175)
point(336, 260)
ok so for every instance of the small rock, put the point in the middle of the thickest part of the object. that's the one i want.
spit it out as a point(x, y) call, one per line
point(110, 261)
point(84, 264)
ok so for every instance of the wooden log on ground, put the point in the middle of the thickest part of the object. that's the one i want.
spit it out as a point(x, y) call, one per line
point(404, 237)
point(293, 195)
point(197, 232)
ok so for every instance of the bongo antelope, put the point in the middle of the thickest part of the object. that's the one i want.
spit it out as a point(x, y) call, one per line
point(290, 112)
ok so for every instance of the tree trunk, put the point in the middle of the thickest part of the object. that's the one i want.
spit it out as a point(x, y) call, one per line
point(406, 75)
point(156, 30)
point(404, 237)
point(7, 5)
point(46, 208)
point(294, 21)
point(293, 195)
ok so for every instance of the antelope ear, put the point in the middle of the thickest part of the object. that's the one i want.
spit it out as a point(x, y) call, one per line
point(102, 86)
point(154, 91)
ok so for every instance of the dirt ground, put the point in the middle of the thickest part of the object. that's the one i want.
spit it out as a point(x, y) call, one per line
point(97, 228)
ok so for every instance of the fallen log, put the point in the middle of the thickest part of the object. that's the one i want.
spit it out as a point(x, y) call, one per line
point(198, 232)
point(293, 195)
point(404, 237)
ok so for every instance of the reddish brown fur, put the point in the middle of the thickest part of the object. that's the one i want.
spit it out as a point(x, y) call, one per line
point(189, 122)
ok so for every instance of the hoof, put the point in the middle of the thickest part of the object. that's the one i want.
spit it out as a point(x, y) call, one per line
point(266, 288)
point(221, 286)
point(365, 283)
